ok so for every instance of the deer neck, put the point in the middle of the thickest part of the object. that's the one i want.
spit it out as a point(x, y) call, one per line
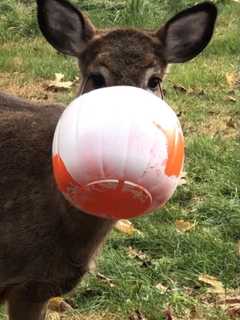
point(83, 233)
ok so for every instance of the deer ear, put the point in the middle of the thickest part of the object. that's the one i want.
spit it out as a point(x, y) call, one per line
point(188, 33)
point(64, 26)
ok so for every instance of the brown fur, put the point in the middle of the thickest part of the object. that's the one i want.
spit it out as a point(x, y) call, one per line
point(126, 54)
point(46, 245)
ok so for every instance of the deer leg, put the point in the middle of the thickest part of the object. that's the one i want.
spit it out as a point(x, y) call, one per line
point(21, 308)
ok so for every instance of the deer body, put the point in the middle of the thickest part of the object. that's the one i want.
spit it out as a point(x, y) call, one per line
point(46, 245)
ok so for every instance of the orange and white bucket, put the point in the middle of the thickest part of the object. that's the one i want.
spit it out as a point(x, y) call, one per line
point(118, 152)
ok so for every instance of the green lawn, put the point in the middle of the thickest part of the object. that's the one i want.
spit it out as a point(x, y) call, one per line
point(167, 277)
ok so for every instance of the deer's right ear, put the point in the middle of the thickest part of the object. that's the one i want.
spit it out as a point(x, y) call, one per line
point(64, 26)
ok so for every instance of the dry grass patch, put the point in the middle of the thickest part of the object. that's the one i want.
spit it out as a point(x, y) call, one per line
point(222, 125)
point(78, 316)
point(215, 125)
point(36, 91)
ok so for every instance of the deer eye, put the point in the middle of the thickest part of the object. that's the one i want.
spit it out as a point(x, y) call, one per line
point(153, 83)
point(97, 80)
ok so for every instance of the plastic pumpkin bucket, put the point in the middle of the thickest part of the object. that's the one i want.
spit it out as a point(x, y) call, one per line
point(118, 152)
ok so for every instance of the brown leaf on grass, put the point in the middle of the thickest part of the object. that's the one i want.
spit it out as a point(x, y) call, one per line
point(59, 305)
point(58, 84)
point(183, 179)
point(190, 91)
point(125, 226)
point(234, 311)
point(231, 123)
point(105, 279)
point(231, 99)
point(168, 314)
point(232, 79)
point(230, 300)
point(231, 306)
point(216, 285)
point(184, 226)
point(231, 296)
point(53, 316)
point(134, 253)
point(195, 314)
point(138, 254)
point(161, 288)
point(180, 88)
point(137, 316)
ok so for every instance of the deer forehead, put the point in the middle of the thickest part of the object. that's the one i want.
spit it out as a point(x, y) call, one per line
point(119, 49)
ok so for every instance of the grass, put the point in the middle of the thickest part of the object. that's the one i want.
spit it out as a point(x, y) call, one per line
point(211, 197)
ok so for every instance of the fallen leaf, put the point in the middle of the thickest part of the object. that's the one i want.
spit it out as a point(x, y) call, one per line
point(161, 288)
point(137, 254)
point(59, 77)
point(180, 88)
point(58, 304)
point(230, 300)
point(216, 285)
point(125, 226)
point(195, 313)
point(231, 123)
point(234, 311)
point(53, 316)
point(231, 98)
point(183, 179)
point(232, 79)
point(59, 84)
point(190, 91)
point(184, 226)
point(105, 279)
point(168, 314)
point(137, 316)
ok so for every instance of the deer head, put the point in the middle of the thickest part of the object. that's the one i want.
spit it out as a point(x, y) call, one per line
point(125, 56)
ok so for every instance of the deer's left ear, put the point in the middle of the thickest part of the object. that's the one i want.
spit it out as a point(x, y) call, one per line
point(64, 26)
point(188, 33)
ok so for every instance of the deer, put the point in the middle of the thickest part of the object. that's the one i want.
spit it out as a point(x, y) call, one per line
point(46, 244)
